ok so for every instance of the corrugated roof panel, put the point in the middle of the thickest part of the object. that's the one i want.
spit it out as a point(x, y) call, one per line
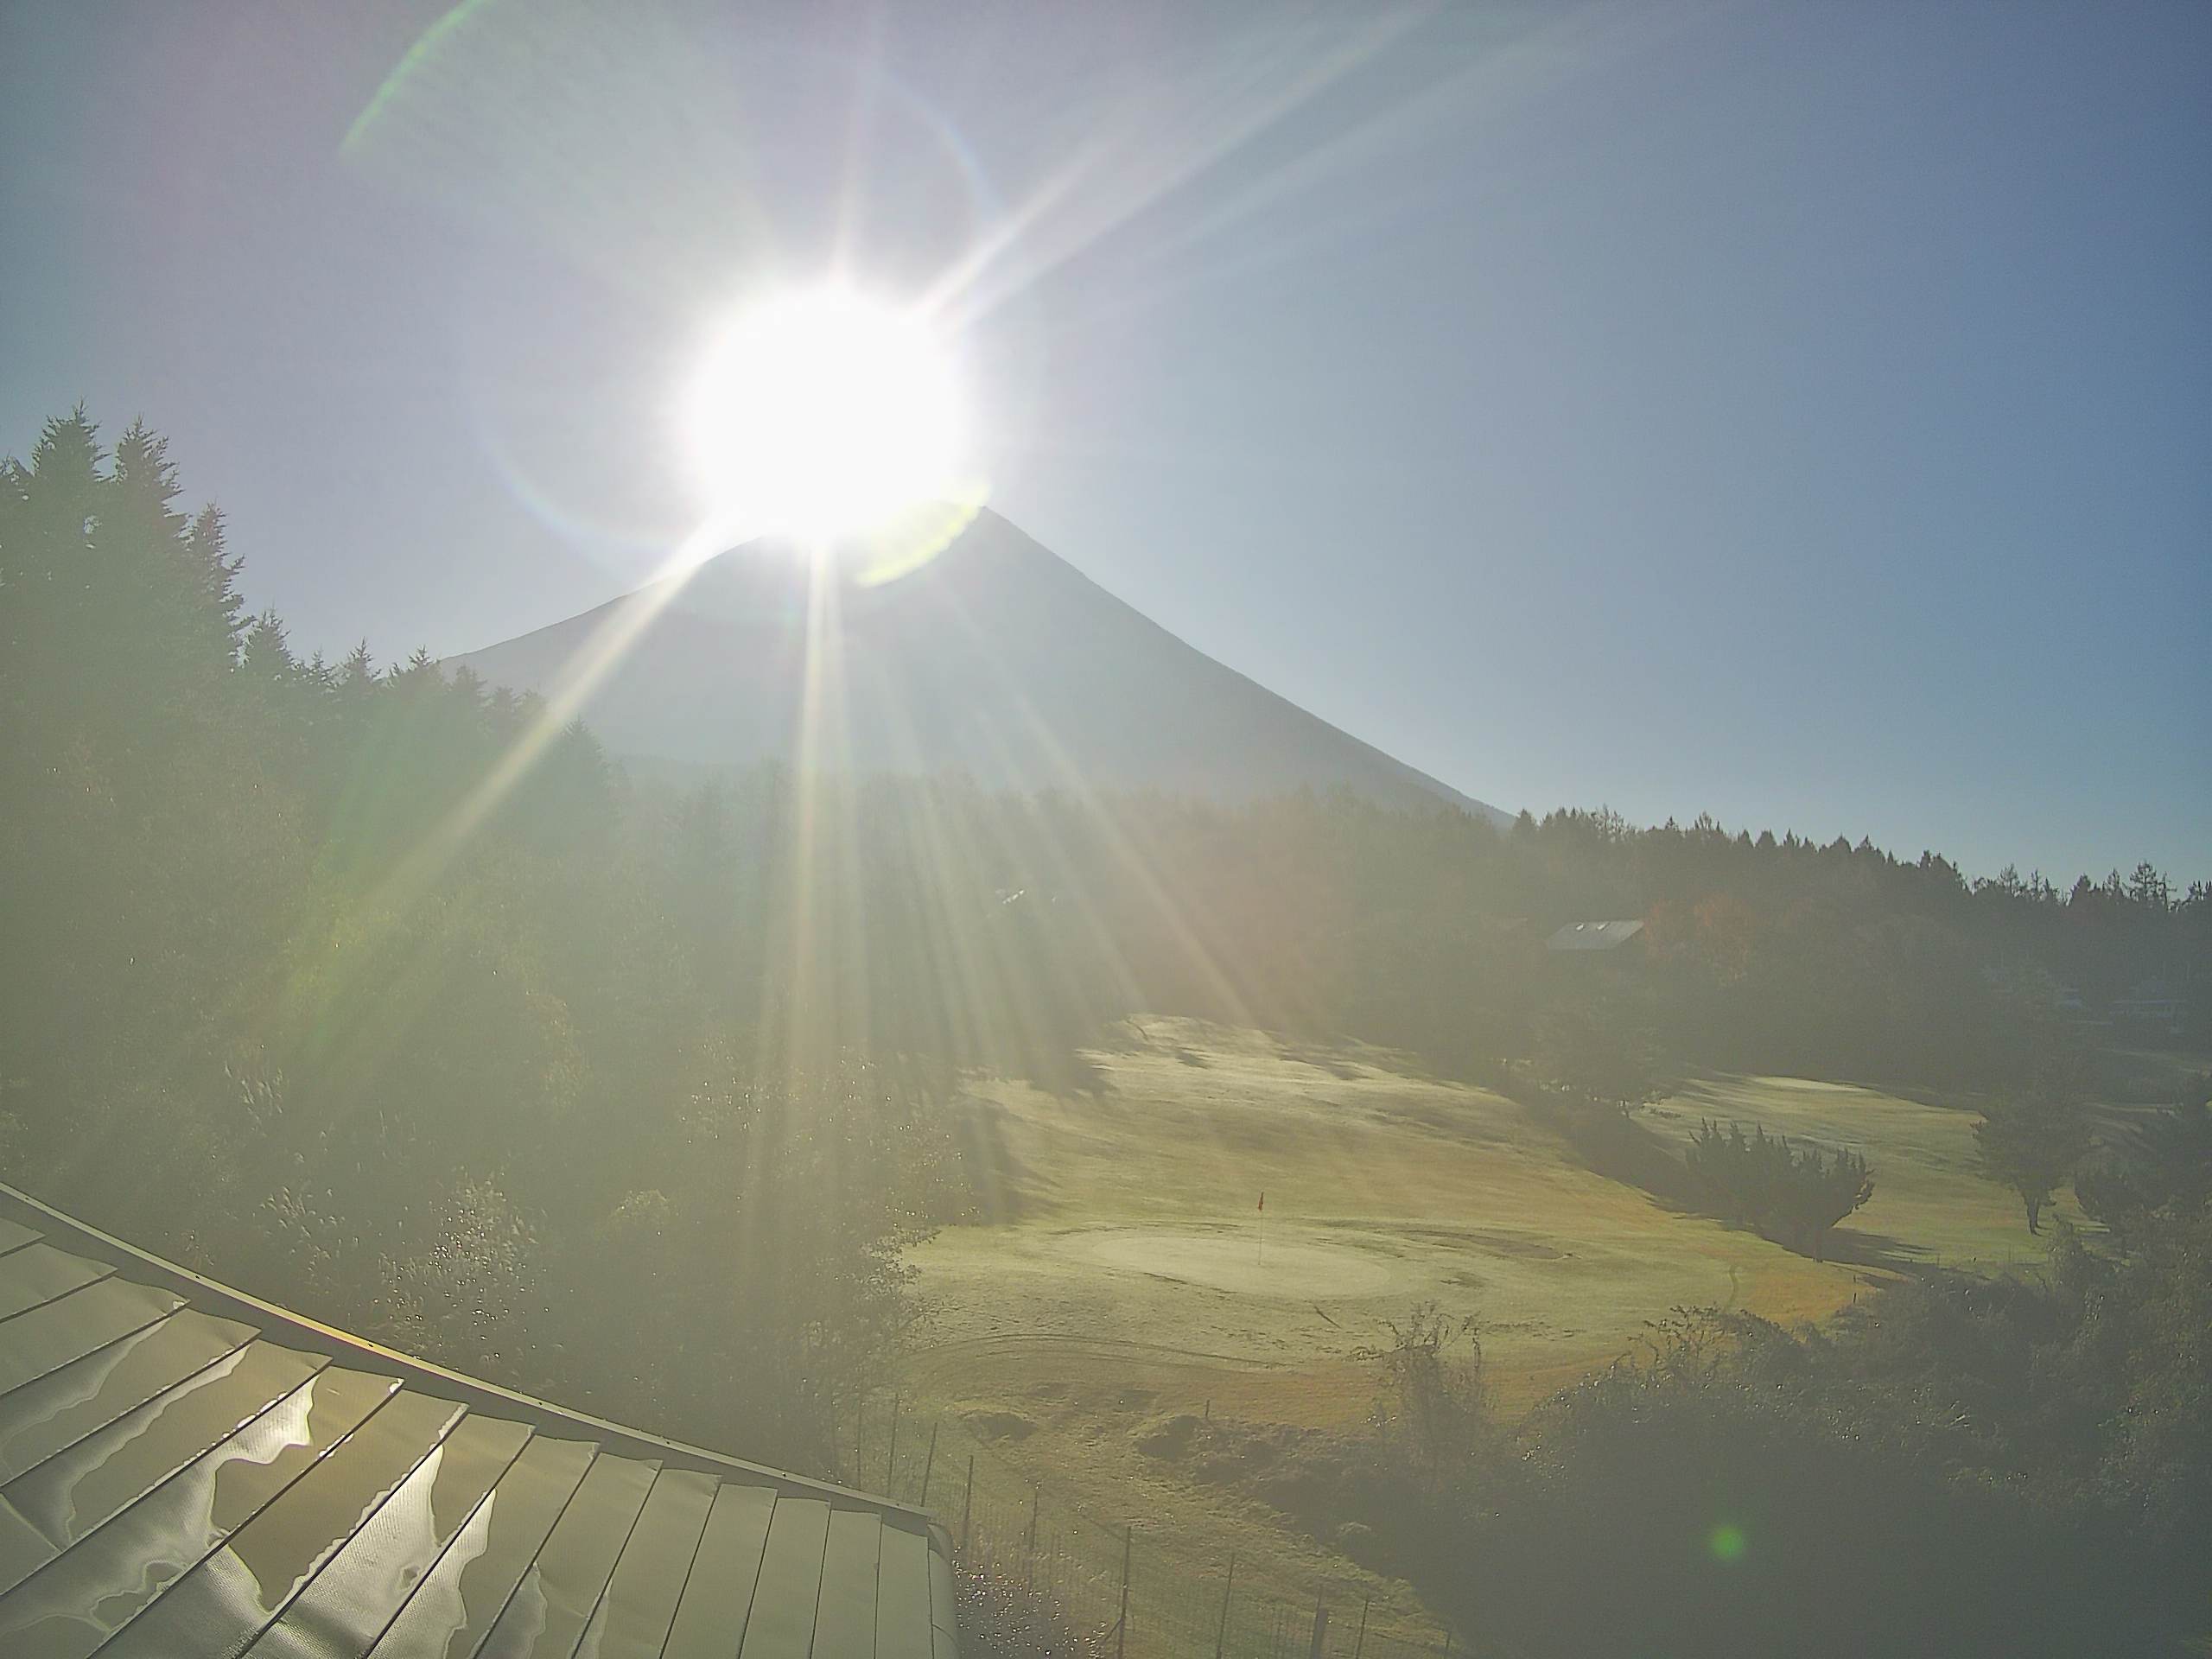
point(238, 1592)
point(47, 1338)
point(23, 1548)
point(844, 1621)
point(634, 1616)
point(97, 1586)
point(784, 1601)
point(62, 1408)
point(354, 1597)
point(902, 1596)
point(95, 1480)
point(558, 1595)
point(944, 1617)
point(462, 1599)
point(38, 1272)
point(718, 1597)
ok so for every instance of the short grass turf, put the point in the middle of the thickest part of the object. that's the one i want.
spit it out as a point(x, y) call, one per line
point(1137, 1275)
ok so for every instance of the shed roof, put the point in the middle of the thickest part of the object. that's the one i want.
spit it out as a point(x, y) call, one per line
point(185, 1469)
point(1593, 936)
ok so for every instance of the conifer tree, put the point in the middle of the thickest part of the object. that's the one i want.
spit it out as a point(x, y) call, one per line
point(265, 658)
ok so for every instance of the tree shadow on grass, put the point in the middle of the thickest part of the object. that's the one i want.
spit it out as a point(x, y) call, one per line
point(1613, 1145)
point(1854, 1247)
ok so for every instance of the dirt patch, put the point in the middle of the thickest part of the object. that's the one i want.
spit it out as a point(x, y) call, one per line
point(992, 1426)
point(1168, 1437)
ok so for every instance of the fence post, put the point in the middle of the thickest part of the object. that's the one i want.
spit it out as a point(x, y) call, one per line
point(1320, 1625)
point(1362, 1643)
point(1122, 1625)
point(1221, 1631)
point(929, 1463)
point(1447, 1641)
point(860, 1439)
point(891, 1458)
point(968, 1504)
point(1029, 1546)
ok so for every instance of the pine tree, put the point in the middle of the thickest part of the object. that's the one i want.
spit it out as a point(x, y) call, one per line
point(357, 674)
point(265, 658)
point(217, 573)
point(1794, 1194)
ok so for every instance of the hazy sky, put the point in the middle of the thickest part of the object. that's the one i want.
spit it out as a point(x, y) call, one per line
point(1799, 412)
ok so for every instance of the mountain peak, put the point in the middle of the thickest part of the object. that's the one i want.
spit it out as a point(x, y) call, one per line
point(995, 658)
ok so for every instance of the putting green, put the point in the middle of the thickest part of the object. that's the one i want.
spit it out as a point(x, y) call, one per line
point(1244, 1261)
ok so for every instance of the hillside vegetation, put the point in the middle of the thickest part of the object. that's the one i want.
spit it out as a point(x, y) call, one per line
point(1993, 1436)
point(1120, 1271)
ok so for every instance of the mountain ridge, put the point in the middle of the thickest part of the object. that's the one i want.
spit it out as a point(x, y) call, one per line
point(996, 658)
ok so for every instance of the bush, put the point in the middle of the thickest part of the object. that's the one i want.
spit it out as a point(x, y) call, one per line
point(2170, 1166)
point(1794, 1194)
point(1953, 1465)
point(1431, 1422)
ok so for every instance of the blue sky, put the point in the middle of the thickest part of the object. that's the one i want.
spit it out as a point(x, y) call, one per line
point(1801, 413)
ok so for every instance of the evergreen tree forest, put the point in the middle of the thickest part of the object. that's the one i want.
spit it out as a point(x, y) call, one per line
point(387, 995)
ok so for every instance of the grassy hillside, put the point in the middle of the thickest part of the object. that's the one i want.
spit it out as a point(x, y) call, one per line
point(1133, 1275)
point(1931, 1204)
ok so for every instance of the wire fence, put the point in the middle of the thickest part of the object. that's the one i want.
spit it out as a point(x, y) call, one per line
point(1113, 1590)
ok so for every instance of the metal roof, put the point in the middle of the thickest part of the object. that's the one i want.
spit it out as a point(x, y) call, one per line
point(187, 1470)
point(1593, 936)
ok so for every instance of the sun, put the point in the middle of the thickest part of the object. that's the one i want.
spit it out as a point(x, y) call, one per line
point(821, 412)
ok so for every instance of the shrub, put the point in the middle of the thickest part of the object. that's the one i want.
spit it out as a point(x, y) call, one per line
point(1793, 1193)
point(1431, 1419)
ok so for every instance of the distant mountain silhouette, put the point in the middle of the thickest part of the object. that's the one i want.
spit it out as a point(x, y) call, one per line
point(996, 658)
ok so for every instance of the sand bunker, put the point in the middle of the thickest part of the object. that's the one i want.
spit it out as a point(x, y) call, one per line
point(1293, 1268)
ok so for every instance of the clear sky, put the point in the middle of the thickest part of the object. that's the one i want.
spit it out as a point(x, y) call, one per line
point(1799, 412)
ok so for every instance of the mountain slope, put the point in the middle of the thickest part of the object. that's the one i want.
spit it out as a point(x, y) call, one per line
point(996, 658)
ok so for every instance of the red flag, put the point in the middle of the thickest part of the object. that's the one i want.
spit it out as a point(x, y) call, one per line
point(1263, 1201)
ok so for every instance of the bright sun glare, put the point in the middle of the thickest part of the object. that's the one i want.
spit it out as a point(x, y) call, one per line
point(821, 412)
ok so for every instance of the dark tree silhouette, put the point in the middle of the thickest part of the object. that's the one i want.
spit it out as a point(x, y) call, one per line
point(2032, 1145)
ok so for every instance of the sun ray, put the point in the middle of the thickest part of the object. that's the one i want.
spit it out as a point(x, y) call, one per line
point(1144, 162)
